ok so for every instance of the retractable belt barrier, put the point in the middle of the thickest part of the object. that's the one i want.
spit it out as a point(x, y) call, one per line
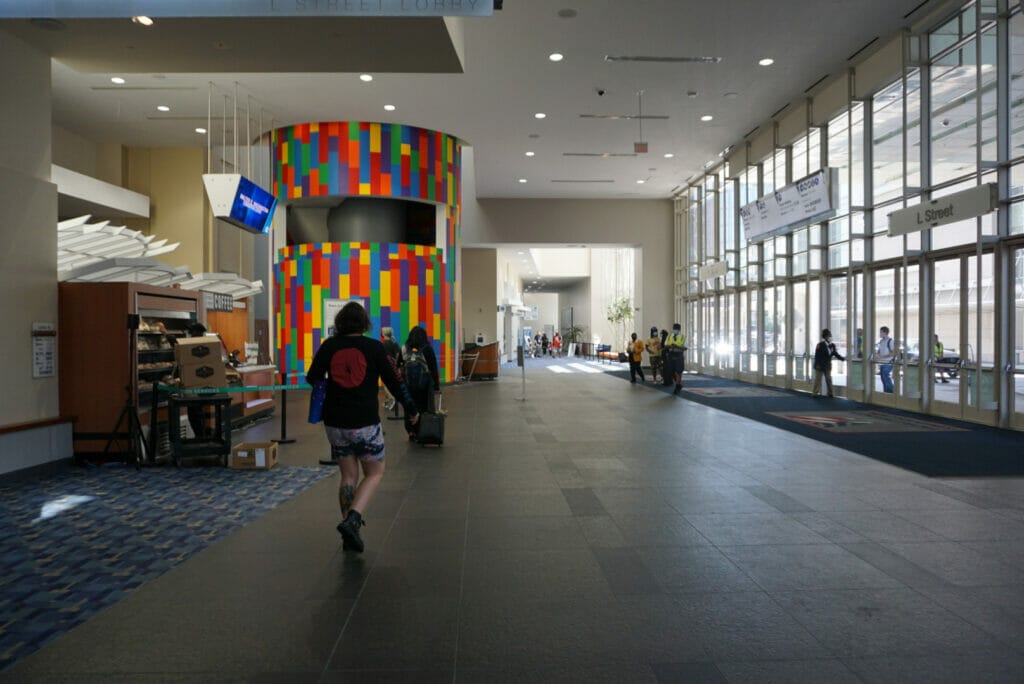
point(282, 388)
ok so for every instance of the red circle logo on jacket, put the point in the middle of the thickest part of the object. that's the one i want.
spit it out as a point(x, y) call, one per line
point(348, 368)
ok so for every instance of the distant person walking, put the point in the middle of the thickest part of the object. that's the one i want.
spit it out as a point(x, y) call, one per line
point(885, 352)
point(556, 344)
point(353, 364)
point(676, 345)
point(653, 345)
point(636, 358)
point(420, 372)
point(393, 350)
point(940, 355)
point(666, 370)
point(823, 355)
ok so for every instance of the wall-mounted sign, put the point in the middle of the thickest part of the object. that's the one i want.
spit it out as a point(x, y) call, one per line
point(119, 9)
point(959, 206)
point(331, 309)
point(237, 200)
point(218, 301)
point(44, 350)
point(807, 201)
point(711, 271)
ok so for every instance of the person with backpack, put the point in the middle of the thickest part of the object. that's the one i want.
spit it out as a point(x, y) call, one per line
point(353, 365)
point(823, 355)
point(885, 352)
point(420, 372)
point(394, 352)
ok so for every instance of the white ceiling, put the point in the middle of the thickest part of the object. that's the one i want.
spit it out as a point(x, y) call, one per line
point(507, 77)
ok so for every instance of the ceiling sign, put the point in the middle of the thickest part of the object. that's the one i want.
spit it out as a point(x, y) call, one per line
point(717, 269)
point(112, 9)
point(959, 206)
point(807, 201)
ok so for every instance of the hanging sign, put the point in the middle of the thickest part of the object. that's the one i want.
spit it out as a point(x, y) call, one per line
point(809, 200)
point(186, 9)
point(959, 206)
point(714, 270)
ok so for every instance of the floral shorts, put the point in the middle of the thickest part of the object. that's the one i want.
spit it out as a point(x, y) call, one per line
point(365, 443)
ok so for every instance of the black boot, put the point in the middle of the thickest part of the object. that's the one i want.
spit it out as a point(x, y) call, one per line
point(349, 529)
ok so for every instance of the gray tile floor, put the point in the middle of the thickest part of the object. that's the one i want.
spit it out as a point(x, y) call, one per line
point(598, 531)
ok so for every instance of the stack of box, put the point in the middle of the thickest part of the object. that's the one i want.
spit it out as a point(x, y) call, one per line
point(199, 362)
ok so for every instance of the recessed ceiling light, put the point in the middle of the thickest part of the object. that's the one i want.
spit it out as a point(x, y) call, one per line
point(389, 108)
point(640, 181)
point(201, 130)
point(669, 155)
point(365, 78)
point(556, 56)
point(706, 117)
point(767, 61)
point(540, 115)
point(530, 154)
point(142, 20)
point(117, 79)
point(731, 95)
point(163, 108)
point(691, 93)
point(522, 180)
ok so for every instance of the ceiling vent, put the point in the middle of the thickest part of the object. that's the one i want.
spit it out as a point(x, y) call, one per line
point(669, 60)
point(581, 180)
point(623, 117)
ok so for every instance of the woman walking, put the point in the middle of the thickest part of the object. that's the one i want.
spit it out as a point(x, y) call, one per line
point(352, 365)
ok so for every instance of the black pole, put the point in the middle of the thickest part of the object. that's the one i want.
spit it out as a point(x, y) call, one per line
point(284, 419)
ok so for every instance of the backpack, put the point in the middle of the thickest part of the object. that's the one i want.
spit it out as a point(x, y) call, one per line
point(417, 372)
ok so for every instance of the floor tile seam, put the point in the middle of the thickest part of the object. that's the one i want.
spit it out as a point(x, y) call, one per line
point(917, 524)
point(462, 594)
point(359, 594)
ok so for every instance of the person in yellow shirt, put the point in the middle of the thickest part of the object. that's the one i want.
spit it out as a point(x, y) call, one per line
point(654, 353)
point(636, 357)
point(676, 346)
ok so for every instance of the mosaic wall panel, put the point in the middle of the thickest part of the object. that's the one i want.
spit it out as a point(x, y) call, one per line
point(400, 285)
point(353, 158)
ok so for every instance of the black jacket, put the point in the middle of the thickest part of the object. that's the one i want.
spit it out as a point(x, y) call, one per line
point(823, 355)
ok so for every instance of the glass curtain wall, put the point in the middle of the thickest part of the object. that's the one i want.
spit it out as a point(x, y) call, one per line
point(947, 121)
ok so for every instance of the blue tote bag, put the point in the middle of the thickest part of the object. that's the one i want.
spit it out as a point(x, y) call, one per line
point(316, 401)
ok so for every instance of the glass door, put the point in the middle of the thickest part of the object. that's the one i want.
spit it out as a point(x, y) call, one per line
point(962, 349)
point(885, 348)
point(1017, 340)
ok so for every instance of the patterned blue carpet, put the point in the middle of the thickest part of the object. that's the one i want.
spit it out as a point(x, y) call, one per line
point(76, 543)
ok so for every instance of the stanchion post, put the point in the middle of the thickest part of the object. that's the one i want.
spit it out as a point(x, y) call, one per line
point(284, 416)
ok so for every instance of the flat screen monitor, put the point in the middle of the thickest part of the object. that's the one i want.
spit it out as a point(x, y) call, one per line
point(253, 207)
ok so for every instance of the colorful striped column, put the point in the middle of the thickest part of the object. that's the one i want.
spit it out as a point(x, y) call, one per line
point(402, 285)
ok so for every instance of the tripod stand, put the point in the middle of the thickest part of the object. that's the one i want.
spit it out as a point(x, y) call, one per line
point(129, 415)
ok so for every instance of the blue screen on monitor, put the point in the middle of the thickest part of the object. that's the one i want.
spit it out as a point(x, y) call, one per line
point(253, 207)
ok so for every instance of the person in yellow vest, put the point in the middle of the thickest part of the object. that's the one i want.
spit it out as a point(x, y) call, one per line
point(940, 353)
point(654, 353)
point(636, 357)
point(676, 346)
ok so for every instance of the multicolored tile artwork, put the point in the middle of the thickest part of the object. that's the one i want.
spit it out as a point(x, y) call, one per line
point(403, 285)
point(400, 285)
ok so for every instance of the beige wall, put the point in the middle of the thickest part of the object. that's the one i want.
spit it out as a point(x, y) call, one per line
point(479, 293)
point(28, 260)
point(172, 177)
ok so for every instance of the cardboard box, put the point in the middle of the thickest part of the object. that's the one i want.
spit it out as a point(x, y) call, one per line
point(198, 350)
point(197, 375)
point(254, 456)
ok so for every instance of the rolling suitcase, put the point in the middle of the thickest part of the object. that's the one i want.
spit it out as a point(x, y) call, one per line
point(430, 429)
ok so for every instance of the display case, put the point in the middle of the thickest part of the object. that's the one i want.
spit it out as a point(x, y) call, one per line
point(113, 345)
